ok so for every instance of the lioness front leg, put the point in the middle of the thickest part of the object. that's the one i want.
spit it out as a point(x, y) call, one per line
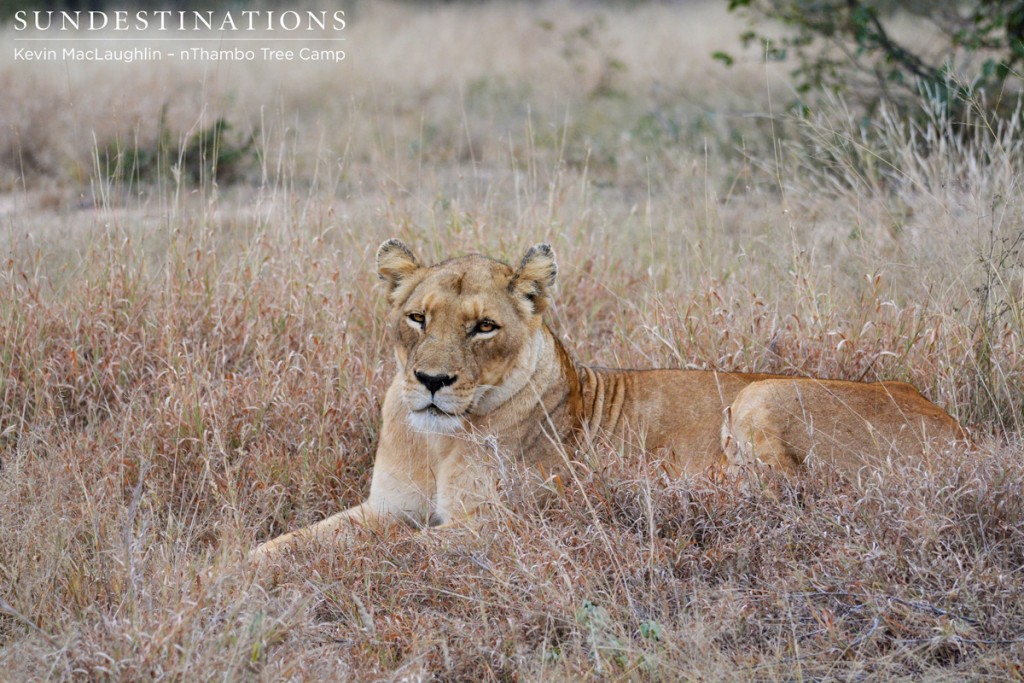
point(394, 499)
point(401, 488)
point(328, 530)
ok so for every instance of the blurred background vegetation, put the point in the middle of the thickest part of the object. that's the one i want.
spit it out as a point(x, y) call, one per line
point(962, 56)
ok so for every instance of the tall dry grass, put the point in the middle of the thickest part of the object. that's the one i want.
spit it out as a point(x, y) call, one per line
point(189, 368)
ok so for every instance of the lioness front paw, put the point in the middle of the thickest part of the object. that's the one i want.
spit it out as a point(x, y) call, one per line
point(271, 550)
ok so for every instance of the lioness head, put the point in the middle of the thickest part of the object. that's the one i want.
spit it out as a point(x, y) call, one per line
point(467, 331)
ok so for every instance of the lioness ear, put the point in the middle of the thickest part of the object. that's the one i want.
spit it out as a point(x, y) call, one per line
point(535, 276)
point(395, 262)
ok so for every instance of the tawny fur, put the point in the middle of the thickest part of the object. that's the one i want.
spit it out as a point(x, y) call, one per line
point(785, 423)
point(481, 378)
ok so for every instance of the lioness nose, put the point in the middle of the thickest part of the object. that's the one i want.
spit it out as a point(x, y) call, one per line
point(435, 382)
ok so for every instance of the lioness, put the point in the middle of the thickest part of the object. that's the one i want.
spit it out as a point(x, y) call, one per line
point(481, 377)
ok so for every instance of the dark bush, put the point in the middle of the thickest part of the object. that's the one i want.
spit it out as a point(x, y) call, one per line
point(208, 154)
point(849, 46)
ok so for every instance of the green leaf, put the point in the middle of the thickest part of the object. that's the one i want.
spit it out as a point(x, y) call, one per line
point(723, 57)
point(651, 630)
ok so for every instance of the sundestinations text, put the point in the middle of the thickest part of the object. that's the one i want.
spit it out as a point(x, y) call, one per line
point(180, 20)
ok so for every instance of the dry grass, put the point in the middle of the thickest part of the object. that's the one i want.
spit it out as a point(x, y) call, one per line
point(187, 370)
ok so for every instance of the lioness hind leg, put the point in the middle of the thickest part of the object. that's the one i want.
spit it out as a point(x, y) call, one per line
point(788, 423)
point(751, 439)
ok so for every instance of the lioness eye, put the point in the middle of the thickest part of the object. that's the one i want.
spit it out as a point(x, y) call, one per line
point(485, 326)
point(418, 318)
